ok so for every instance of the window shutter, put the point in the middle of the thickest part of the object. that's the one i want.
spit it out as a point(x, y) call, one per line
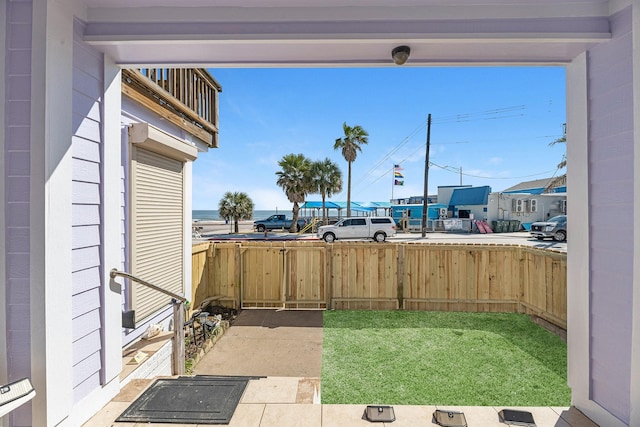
point(156, 229)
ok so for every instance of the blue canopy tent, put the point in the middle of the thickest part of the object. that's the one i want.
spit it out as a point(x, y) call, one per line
point(366, 208)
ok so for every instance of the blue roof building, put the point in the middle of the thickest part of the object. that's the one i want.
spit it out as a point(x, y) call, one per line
point(538, 186)
point(470, 202)
point(470, 196)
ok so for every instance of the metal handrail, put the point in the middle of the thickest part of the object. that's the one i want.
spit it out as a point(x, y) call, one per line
point(179, 304)
point(114, 272)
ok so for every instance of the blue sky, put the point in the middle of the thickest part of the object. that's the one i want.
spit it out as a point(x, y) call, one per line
point(493, 122)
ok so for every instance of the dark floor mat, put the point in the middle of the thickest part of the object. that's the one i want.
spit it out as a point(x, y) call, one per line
point(188, 400)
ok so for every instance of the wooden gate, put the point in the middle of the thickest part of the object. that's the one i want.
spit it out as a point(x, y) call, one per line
point(276, 277)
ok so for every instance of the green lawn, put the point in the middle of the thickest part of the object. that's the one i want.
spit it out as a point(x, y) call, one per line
point(440, 358)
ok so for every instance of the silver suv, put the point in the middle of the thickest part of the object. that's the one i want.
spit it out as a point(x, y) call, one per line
point(555, 228)
point(377, 228)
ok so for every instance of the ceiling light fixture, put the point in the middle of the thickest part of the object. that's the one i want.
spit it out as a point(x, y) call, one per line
point(400, 54)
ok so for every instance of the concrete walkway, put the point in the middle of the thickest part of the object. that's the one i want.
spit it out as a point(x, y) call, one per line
point(284, 349)
point(268, 343)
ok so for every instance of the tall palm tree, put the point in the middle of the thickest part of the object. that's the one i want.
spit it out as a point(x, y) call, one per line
point(295, 180)
point(235, 206)
point(350, 144)
point(562, 179)
point(327, 180)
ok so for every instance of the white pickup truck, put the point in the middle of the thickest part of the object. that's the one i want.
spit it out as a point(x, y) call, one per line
point(377, 228)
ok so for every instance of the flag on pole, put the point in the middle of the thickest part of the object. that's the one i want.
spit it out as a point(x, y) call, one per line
point(397, 174)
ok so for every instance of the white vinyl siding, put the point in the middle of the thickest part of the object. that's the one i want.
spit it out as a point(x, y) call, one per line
point(157, 229)
point(86, 230)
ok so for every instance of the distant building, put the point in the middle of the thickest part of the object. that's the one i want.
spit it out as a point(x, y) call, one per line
point(415, 200)
point(446, 191)
point(538, 186)
point(525, 207)
point(469, 202)
point(528, 201)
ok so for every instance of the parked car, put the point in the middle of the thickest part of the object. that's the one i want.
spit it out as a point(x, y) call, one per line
point(555, 228)
point(275, 222)
point(377, 228)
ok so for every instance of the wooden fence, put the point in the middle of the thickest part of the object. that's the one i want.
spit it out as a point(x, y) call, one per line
point(363, 275)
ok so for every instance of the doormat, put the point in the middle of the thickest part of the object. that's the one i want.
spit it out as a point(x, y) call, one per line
point(201, 399)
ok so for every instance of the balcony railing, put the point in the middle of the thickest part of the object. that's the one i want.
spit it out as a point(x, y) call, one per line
point(191, 95)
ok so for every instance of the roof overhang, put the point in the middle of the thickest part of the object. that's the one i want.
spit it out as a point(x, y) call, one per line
point(288, 33)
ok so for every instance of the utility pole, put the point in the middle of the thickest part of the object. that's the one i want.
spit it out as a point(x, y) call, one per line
point(425, 203)
point(460, 176)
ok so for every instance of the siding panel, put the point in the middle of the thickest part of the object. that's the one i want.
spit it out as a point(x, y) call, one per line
point(87, 84)
point(87, 129)
point(85, 236)
point(86, 368)
point(16, 75)
point(86, 217)
point(84, 258)
point(18, 189)
point(86, 324)
point(611, 183)
point(85, 193)
point(85, 149)
point(85, 347)
point(85, 106)
point(84, 303)
point(84, 280)
point(85, 171)
point(87, 386)
point(18, 239)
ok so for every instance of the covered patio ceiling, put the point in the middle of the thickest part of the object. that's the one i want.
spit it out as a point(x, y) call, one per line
point(300, 33)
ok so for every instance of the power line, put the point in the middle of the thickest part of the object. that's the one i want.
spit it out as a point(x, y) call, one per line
point(492, 114)
point(457, 171)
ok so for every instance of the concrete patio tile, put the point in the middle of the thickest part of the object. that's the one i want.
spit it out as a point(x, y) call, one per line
point(477, 416)
point(542, 415)
point(308, 388)
point(247, 415)
point(271, 390)
point(344, 416)
point(412, 415)
point(132, 390)
point(107, 416)
point(299, 415)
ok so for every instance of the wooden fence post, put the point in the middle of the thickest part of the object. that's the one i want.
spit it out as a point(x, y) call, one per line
point(212, 287)
point(178, 337)
point(238, 273)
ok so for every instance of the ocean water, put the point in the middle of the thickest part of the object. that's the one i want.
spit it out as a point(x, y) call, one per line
point(212, 215)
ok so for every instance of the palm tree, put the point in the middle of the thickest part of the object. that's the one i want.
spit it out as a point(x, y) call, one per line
point(562, 179)
point(350, 144)
point(327, 180)
point(295, 180)
point(235, 206)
